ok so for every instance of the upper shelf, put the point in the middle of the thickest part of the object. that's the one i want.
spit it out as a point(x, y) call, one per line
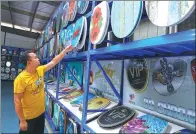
point(178, 44)
point(81, 56)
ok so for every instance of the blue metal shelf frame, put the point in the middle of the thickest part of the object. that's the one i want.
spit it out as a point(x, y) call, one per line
point(70, 113)
point(177, 44)
point(81, 57)
point(58, 80)
point(108, 79)
point(47, 75)
point(18, 56)
point(50, 122)
point(80, 84)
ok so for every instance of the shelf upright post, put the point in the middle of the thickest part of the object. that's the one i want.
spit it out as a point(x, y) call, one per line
point(47, 75)
point(64, 77)
point(86, 85)
point(122, 76)
point(58, 79)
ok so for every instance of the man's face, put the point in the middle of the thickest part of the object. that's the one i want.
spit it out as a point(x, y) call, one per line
point(33, 60)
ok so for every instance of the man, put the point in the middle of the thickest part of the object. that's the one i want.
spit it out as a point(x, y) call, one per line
point(29, 94)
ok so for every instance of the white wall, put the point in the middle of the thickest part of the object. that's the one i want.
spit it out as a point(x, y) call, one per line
point(147, 29)
point(14, 40)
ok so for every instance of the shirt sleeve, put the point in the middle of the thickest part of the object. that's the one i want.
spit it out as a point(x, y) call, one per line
point(19, 85)
point(42, 69)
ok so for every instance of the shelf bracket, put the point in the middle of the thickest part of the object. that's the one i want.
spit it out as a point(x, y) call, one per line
point(73, 76)
point(58, 79)
point(107, 78)
point(47, 75)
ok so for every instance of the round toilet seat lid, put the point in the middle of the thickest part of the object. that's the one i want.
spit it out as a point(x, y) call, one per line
point(160, 81)
point(84, 34)
point(115, 117)
point(77, 32)
point(125, 17)
point(82, 6)
point(99, 23)
point(72, 10)
point(143, 124)
point(64, 17)
point(69, 35)
point(174, 12)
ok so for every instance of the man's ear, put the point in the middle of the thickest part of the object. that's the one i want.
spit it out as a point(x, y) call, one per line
point(28, 62)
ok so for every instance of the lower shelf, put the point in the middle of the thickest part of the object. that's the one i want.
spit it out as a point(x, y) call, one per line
point(93, 125)
point(74, 111)
point(97, 129)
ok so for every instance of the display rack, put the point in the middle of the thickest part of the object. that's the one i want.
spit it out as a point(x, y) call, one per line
point(97, 129)
point(15, 58)
point(50, 121)
point(177, 44)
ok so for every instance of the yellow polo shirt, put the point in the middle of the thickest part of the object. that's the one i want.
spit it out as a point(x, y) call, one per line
point(33, 102)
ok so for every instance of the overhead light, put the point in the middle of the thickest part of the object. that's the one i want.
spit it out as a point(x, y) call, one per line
point(22, 28)
point(6, 24)
point(33, 30)
point(19, 27)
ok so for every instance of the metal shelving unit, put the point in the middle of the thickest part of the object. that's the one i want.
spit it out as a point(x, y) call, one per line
point(177, 44)
point(16, 58)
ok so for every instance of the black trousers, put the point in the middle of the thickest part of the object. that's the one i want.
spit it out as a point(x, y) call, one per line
point(35, 126)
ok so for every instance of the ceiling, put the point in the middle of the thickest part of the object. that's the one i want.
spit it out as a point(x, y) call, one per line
point(31, 16)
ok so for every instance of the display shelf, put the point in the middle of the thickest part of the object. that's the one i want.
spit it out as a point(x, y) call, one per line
point(81, 56)
point(97, 129)
point(178, 44)
point(50, 122)
point(14, 57)
point(181, 43)
point(73, 111)
point(87, 15)
point(76, 113)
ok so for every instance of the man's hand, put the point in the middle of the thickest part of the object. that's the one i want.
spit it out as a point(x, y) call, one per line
point(58, 58)
point(23, 125)
point(68, 48)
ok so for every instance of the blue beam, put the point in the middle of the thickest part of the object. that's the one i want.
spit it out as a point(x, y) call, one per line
point(47, 75)
point(87, 81)
point(180, 38)
point(58, 79)
point(86, 91)
point(108, 79)
point(50, 122)
point(111, 42)
point(79, 56)
point(122, 83)
point(73, 76)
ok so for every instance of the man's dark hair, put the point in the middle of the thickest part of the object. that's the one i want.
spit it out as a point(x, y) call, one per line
point(25, 57)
